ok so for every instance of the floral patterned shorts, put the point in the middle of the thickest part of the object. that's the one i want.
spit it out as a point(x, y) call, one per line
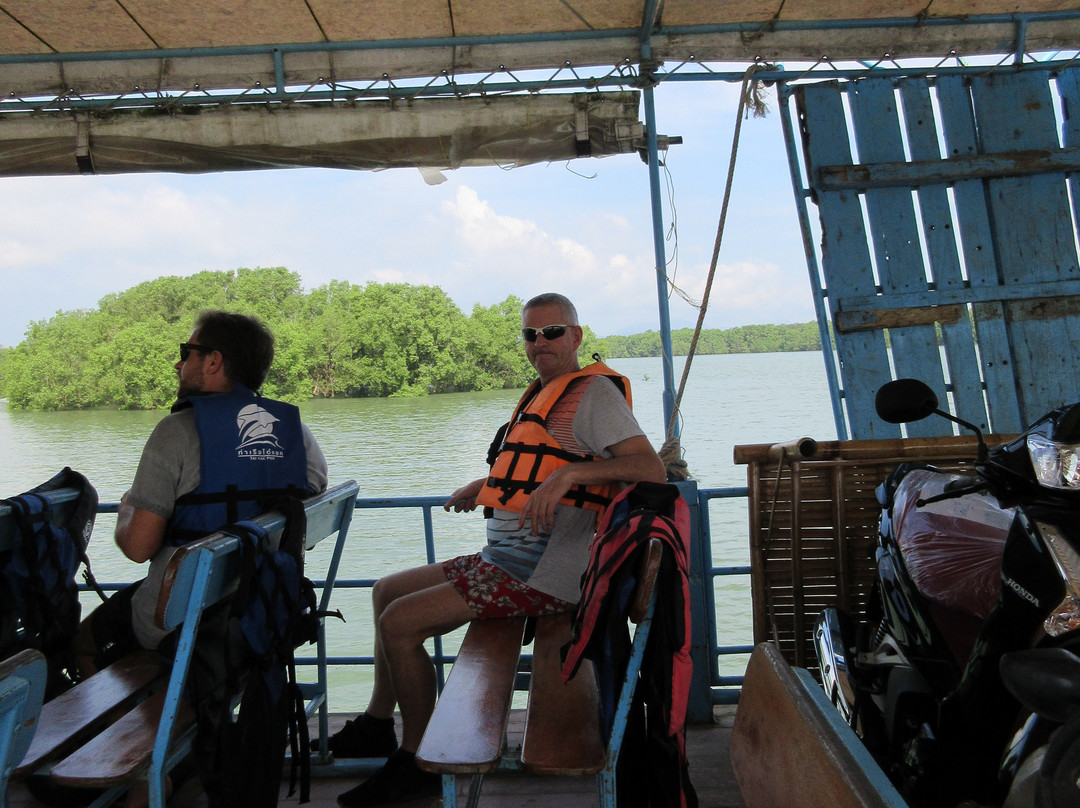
point(490, 592)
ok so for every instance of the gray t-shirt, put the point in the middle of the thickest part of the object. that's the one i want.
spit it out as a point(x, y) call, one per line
point(553, 564)
point(168, 469)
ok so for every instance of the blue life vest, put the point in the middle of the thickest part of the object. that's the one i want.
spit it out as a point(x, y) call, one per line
point(251, 449)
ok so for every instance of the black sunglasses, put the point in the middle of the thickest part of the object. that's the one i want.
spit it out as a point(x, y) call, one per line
point(550, 332)
point(187, 347)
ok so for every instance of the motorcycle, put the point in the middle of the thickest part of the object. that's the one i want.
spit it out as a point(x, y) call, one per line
point(963, 680)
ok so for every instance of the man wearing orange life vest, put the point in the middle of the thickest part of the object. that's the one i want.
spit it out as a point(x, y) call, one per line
point(570, 446)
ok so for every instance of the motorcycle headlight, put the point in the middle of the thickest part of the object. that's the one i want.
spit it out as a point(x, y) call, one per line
point(1057, 465)
point(1066, 617)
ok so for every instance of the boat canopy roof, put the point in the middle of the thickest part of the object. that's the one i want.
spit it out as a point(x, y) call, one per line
point(98, 86)
point(91, 47)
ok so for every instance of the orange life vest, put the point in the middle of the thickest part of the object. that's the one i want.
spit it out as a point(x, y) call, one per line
point(528, 453)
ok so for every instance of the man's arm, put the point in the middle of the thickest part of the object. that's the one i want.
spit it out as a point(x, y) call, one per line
point(139, 533)
point(633, 460)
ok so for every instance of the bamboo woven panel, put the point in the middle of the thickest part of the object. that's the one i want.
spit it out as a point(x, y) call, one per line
point(813, 527)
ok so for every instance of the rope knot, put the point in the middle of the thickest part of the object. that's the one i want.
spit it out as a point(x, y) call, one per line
point(674, 465)
point(755, 92)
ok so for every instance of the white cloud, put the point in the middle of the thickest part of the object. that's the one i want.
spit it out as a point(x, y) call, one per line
point(483, 230)
point(21, 252)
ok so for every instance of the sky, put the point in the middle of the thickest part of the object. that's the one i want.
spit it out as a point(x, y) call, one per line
point(581, 227)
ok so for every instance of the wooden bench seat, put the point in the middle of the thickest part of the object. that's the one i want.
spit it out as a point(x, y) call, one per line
point(130, 721)
point(73, 717)
point(467, 731)
point(121, 752)
point(481, 688)
point(562, 723)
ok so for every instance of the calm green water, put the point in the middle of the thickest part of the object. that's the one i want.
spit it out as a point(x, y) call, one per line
point(429, 446)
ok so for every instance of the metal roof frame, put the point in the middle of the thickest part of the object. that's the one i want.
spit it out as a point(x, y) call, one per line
point(555, 60)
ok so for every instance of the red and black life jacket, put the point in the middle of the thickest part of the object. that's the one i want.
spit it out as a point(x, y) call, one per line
point(653, 768)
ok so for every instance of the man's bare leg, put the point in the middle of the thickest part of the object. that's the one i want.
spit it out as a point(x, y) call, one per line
point(405, 624)
point(387, 589)
point(406, 618)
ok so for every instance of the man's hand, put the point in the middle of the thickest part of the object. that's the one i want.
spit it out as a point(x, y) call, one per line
point(464, 499)
point(539, 510)
point(632, 460)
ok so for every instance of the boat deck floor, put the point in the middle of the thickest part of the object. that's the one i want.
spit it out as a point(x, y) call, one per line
point(707, 751)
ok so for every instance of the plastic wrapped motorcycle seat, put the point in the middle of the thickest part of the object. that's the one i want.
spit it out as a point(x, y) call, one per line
point(952, 548)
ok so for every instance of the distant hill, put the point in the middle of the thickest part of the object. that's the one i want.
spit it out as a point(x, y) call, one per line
point(742, 339)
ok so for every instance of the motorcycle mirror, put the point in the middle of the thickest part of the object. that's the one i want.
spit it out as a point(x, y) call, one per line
point(904, 400)
point(1045, 680)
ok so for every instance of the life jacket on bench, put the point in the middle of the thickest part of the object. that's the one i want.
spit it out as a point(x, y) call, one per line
point(249, 648)
point(652, 768)
point(39, 598)
point(250, 449)
point(525, 453)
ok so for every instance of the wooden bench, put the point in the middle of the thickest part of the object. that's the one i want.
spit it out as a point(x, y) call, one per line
point(790, 746)
point(129, 722)
point(563, 735)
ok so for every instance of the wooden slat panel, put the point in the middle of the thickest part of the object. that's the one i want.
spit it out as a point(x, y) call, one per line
point(1068, 84)
point(1033, 230)
point(980, 258)
point(1015, 234)
point(957, 168)
point(845, 258)
point(895, 236)
point(940, 233)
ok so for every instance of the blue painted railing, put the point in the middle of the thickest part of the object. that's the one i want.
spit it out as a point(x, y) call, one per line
point(709, 686)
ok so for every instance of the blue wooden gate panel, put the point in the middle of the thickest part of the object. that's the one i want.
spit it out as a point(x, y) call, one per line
point(894, 233)
point(963, 235)
point(980, 257)
point(942, 250)
point(860, 354)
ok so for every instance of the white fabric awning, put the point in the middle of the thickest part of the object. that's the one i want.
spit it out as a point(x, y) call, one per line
point(434, 133)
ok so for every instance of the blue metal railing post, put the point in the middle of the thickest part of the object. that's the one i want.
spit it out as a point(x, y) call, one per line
point(660, 258)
